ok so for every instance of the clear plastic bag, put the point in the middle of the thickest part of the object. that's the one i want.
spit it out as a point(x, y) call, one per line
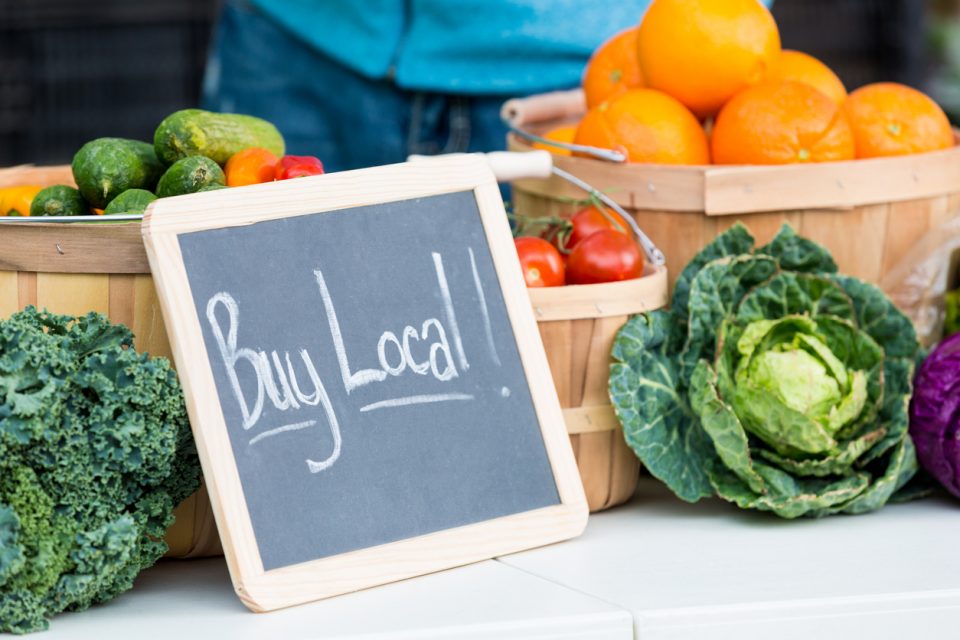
point(920, 282)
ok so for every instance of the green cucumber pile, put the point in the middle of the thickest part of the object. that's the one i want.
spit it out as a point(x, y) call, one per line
point(121, 176)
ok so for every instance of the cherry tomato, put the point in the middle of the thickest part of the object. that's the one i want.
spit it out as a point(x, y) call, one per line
point(588, 221)
point(542, 264)
point(605, 256)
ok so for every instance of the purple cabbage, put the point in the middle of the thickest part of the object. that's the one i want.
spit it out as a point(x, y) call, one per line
point(935, 414)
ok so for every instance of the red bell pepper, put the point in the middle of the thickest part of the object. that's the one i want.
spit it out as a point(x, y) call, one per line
point(297, 167)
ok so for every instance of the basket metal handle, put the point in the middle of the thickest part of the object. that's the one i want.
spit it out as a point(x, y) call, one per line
point(119, 217)
point(653, 253)
point(515, 165)
point(557, 106)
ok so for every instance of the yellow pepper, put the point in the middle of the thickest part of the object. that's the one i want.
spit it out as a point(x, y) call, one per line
point(16, 201)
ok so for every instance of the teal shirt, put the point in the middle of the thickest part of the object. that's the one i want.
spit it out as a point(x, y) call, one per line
point(460, 46)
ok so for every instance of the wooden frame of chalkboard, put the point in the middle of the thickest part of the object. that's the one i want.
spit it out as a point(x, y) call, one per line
point(167, 221)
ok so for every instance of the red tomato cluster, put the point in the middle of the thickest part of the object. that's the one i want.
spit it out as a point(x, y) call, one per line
point(596, 246)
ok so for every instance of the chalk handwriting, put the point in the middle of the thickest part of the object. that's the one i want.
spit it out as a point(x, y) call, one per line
point(423, 350)
point(488, 329)
point(263, 371)
point(448, 308)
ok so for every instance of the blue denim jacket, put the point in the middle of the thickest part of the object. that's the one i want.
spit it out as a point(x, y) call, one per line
point(367, 82)
point(327, 109)
point(459, 46)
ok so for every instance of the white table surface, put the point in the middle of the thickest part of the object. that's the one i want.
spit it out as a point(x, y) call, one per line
point(711, 571)
point(655, 569)
point(194, 599)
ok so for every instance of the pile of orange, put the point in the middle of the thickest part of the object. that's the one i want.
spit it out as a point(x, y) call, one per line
point(693, 66)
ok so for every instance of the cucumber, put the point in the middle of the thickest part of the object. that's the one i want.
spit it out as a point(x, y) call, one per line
point(58, 200)
point(130, 201)
point(106, 167)
point(212, 187)
point(190, 175)
point(194, 132)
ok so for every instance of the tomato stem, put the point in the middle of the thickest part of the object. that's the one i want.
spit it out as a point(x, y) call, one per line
point(547, 227)
point(605, 212)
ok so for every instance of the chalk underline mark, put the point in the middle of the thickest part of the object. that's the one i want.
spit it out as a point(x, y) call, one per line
point(287, 427)
point(408, 400)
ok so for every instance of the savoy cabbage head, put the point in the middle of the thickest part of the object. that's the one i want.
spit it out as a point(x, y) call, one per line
point(95, 452)
point(772, 382)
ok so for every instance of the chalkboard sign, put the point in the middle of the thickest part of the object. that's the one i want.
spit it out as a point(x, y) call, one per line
point(364, 377)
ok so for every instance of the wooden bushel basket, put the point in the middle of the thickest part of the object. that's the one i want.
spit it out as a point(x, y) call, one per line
point(578, 324)
point(867, 213)
point(78, 268)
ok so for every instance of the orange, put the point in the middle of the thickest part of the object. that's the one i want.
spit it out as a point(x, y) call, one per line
point(702, 52)
point(649, 126)
point(613, 68)
point(781, 123)
point(802, 67)
point(890, 119)
point(559, 134)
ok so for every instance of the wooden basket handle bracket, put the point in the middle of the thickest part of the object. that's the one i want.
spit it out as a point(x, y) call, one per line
point(547, 107)
point(590, 419)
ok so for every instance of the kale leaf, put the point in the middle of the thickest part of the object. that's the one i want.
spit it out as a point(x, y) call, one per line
point(95, 452)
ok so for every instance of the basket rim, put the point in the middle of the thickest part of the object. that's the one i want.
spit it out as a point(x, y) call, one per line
point(77, 247)
point(115, 248)
point(724, 190)
point(605, 300)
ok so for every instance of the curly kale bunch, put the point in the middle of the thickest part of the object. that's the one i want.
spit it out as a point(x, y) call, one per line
point(773, 382)
point(95, 452)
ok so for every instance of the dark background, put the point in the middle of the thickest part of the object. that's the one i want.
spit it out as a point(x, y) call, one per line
point(73, 70)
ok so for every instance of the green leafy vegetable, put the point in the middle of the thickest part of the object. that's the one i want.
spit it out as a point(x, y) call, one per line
point(773, 382)
point(952, 322)
point(95, 452)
